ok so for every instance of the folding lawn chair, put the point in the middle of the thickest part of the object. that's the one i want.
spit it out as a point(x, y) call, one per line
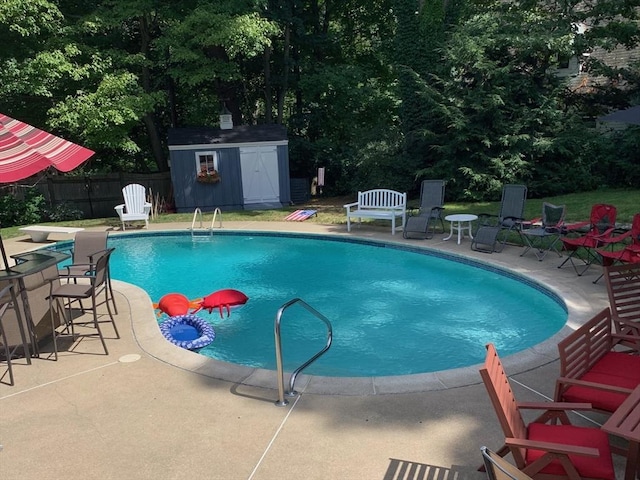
point(629, 253)
point(602, 223)
point(509, 219)
point(546, 237)
point(431, 207)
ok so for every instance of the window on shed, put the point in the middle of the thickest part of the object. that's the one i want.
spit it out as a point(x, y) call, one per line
point(206, 162)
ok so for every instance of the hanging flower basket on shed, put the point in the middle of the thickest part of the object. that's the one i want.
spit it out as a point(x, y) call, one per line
point(211, 176)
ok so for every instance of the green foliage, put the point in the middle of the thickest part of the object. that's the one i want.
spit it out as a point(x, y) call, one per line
point(62, 212)
point(376, 91)
point(14, 211)
point(106, 116)
point(500, 108)
point(617, 163)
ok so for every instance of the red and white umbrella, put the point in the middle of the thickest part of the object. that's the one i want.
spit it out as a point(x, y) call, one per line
point(26, 150)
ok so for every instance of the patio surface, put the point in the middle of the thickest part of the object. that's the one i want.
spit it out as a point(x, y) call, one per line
point(151, 410)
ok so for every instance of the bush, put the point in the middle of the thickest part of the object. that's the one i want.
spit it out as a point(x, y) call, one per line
point(14, 211)
point(62, 212)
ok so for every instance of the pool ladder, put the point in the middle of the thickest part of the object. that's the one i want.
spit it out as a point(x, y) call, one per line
point(198, 214)
point(292, 380)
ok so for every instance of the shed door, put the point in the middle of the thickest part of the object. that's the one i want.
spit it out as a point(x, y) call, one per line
point(259, 167)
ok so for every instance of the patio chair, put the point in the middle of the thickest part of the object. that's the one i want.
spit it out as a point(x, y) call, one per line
point(592, 367)
point(135, 206)
point(629, 253)
point(547, 236)
point(91, 285)
point(86, 244)
point(498, 468)
point(429, 212)
point(7, 299)
point(602, 221)
point(541, 449)
point(623, 288)
point(510, 218)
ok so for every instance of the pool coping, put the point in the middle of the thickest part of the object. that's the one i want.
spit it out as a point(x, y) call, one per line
point(149, 337)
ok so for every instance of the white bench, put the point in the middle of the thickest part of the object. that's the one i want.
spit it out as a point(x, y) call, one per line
point(39, 233)
point(381, 204)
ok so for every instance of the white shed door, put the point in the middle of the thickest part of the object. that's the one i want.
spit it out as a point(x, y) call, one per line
point(259, 167)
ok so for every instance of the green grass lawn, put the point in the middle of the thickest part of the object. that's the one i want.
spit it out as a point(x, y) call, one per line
point(331, 210)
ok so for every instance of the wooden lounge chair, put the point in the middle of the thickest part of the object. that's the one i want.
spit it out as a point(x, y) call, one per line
point(623, 287)
point(591, 370)
point(545, 450)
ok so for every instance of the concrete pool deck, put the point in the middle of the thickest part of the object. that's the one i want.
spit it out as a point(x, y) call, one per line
point(152, 410)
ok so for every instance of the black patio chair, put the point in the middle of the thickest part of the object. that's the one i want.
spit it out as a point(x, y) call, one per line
point(493, 230)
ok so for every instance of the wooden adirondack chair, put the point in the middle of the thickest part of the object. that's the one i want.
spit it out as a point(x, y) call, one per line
point(591, 371)
point(135, 206)
point(541, 449)
point(623, 287)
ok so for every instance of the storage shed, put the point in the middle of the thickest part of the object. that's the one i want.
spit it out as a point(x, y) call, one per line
point(234, 168)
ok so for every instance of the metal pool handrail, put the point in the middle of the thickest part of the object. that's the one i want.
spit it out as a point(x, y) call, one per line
point(197, 213)
point(292, 380)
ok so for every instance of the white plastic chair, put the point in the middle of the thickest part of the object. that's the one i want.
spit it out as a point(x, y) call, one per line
point(135, 206)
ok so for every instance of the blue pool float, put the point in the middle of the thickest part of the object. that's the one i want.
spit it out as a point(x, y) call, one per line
point(187, 331)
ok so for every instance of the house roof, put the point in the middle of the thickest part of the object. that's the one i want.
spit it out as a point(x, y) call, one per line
point(216, 136)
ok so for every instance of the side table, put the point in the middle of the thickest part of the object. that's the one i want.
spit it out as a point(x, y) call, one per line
point(460, 223)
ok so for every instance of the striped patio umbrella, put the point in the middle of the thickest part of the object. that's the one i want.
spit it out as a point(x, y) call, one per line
point(26, 150)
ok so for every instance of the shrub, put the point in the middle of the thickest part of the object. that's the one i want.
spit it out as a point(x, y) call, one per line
point(14, 211)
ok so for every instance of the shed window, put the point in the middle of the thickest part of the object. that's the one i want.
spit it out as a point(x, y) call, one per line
point(207, 162)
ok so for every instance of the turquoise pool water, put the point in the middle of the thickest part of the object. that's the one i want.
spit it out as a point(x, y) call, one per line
point(394, 310)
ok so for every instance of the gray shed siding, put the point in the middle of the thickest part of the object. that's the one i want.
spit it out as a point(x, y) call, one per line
point(227, 194)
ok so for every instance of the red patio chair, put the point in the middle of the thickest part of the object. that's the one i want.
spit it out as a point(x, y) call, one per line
point(602, 223)
point(594, 369)
point(540, 449)
point(630, 253)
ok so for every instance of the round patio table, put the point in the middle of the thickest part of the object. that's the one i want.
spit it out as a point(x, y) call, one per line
point(460, 223)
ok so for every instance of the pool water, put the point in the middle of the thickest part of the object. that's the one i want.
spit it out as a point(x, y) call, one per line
point(394, 311)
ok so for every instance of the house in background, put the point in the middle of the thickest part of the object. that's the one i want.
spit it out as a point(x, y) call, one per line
point(231, 168)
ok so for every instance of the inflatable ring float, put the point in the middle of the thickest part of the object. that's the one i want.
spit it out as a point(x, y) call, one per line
point(187, 331)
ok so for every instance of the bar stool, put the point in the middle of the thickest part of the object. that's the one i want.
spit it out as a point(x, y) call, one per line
point(7, 299)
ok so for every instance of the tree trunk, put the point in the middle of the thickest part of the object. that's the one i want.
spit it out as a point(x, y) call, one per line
point(268, 100)
point(285, 74)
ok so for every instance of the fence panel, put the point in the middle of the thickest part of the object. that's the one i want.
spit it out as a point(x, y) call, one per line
point(96, 196)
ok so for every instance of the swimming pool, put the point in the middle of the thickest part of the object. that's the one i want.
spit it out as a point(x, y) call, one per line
point(395, 310)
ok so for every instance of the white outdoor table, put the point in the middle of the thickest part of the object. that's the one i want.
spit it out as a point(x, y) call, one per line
point(460, 223)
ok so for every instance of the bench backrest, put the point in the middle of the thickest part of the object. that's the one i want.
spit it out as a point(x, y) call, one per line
point(382, 198)
point(583, 348)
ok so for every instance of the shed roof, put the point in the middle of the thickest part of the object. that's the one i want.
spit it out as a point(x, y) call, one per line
point(216, 136)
